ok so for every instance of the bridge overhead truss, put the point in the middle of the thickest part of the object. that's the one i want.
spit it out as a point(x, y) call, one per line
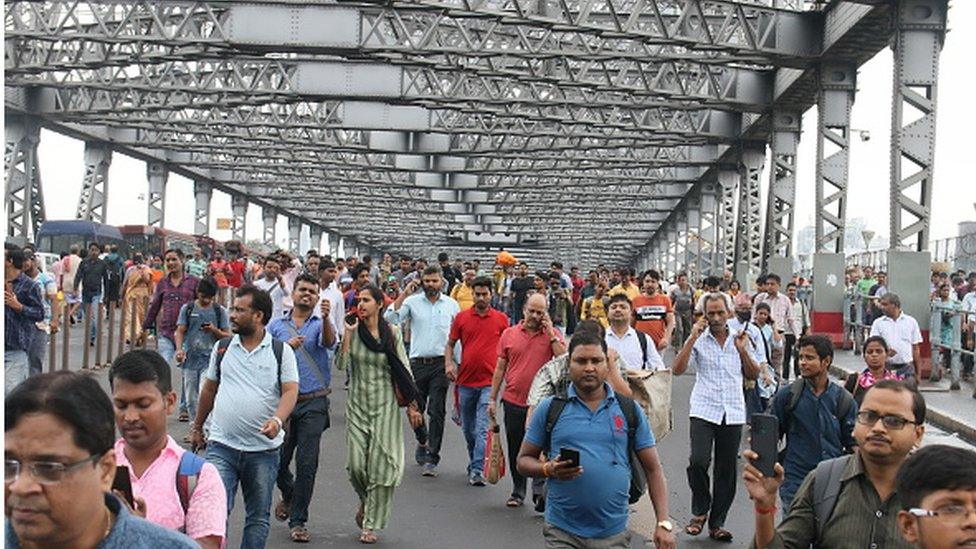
point(604, 131)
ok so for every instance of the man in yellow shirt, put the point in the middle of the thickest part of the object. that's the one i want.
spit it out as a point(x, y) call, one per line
point(595, 307)
point(626, 286)
point(463, 293)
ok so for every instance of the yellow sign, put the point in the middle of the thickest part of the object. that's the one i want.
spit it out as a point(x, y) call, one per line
point(223, 223)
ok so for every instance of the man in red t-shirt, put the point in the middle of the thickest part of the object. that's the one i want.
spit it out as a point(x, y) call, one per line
point(479, 329)
point(522, 350)
point(235, 275)
point(653, 310)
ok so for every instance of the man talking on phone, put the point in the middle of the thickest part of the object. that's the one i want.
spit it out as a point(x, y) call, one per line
point(588, 472)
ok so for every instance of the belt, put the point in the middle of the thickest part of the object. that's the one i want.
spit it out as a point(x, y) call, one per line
point(316, 394)
point(428, 359)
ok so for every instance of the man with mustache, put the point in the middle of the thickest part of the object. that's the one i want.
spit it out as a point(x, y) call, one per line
point(866, 502)
point(143, 397)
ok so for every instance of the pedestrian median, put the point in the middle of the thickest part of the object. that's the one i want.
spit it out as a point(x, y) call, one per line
point(952, 411)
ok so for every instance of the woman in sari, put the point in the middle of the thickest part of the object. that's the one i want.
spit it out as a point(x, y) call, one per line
point(373, 351)
point(136, 288)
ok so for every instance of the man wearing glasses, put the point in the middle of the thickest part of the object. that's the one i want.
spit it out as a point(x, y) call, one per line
point(938, 503)
point(850, 501)
point(59, 463)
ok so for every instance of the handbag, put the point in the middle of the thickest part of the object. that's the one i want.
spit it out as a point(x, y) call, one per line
point(494, 462)
point(652, 391)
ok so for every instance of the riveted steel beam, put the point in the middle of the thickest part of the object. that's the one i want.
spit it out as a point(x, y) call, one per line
point(781, 200)
point(22, 177)
point(92, 205)
point(837, 85)
point(157, 173)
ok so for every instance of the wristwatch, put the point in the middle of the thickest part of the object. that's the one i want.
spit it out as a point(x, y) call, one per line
point(666, 525)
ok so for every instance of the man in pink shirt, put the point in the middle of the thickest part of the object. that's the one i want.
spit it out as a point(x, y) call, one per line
point(522, 350)
point(143, 396)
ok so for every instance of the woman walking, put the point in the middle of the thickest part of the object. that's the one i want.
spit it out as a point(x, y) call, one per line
point(875, 353)
point(136, 287)
point(373, 351)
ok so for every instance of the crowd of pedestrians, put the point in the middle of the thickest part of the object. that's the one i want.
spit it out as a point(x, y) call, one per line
point(564, 356)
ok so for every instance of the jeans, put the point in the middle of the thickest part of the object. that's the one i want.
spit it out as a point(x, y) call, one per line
point(432, 383)
point(474, 424)
point(725, 439)
point(514, 433)
point(192, 380)
point(37, 352)
point(94, 300)
point(15, 369)
point(308, 421)
point(682, 327)
point(557, 538)
point(256, 472)
point(166, 347)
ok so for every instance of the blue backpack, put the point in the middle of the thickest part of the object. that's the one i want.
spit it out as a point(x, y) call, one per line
point(187, 477)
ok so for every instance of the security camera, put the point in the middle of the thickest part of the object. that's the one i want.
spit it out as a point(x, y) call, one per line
point(865, 135)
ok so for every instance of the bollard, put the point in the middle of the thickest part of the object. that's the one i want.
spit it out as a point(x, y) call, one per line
point(86, 354)
point(65, 337)
point(98, 334)
point(110, 342)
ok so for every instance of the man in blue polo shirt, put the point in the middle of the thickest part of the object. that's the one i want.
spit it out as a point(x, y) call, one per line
point(587, 505)
point(313, 338)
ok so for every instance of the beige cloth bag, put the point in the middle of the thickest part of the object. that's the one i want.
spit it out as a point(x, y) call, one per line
point(494, 465)
point(652, 390)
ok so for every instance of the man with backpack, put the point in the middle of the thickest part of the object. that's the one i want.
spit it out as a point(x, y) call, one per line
point(850, 501)
point(251, 386)
point(630, 343)
point(816, 416)
point(593, 477)
point(143, 397)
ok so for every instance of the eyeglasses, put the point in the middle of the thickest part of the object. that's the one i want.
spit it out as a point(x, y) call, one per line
point(892, 422)
point(949, 513)
point(44, 472)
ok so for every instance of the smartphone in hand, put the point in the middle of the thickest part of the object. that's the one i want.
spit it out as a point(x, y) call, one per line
point(764, 437)
point(123, 484)
point(570, 455)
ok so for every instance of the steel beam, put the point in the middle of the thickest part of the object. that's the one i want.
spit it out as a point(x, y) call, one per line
point(727, 182)
point(708, 230)
point(693, 240)
point(294, 233)
point(919, 36)
point(315, 237)
point(781, 200)
point(157, 173)
point(749, 239)
point(238, 205)
point(270, 217)
point(203, 192)
point(94, 186)
point(837, 86)
point(22, 177)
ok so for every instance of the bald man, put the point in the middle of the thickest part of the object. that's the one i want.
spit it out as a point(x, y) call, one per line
point(522, 350)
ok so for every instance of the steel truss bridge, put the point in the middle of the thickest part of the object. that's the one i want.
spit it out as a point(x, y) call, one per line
point(592, 131)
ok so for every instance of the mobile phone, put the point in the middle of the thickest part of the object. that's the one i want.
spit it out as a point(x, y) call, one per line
point(351, 319)
point(205, 325)
point(570, 455)
point(764, 437)
point(123, 484)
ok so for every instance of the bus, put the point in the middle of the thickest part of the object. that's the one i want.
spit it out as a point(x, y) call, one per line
point(152, 241)
point(60, 235)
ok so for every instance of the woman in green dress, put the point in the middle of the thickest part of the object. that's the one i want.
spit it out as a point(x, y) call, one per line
point(373, 351)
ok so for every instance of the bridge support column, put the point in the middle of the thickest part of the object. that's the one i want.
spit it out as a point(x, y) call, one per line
point(270, 217)
point(748, 238)
point(238, 204)
point(294, 233)
point(920, 33)
point(94, 187)
point(201, 216)
point(727, 181)
point(157, 173)
point(708, 257)
point(781, 201)
point(693, 244)
point(22, 175)
point(834, 102)
point(315, 237)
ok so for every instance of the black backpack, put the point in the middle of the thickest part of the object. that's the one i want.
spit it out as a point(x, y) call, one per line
point(844, 403)
point(638, 478)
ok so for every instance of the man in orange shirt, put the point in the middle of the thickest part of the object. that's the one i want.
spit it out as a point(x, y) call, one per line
point(653, 310)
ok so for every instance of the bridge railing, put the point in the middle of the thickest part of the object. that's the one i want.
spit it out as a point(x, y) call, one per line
point(946, 335)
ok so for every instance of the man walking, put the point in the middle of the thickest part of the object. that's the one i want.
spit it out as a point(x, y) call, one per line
point(522, 350)
point(781, 311)
point(173, 291)
point(636, 348)
point(430, 315)
point(589, 500)
point(478, 329)
point(49, 326)
point(801, 321)
point(903, 335)
point(683, 300)
point(721, 358)
point(273, 283)
point(312, 338)
point(520, 287)
point(251, 386)
point(93, 277)
point(22, 308)
point(653, 311)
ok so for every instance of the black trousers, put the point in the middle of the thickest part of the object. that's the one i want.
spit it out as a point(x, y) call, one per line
point(305, 426)
point(725, 439)
point(789, 342)
point(433, 384)
point(515, 416)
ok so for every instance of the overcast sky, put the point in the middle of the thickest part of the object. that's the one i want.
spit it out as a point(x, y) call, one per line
point(953, 197)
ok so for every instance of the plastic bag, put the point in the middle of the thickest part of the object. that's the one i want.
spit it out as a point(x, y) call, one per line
point(494, 465)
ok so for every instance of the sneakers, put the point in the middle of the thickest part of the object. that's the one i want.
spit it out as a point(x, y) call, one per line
point(476, 479)
point(430, 470)
point(420, 454)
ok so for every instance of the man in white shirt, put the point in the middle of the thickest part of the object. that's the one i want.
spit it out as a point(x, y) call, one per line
point(330, 290)
point(273, 283)
point(635, 348)
point(722, 357)
point(903, 336)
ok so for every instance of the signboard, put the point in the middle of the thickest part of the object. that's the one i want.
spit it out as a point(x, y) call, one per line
point(223, 223)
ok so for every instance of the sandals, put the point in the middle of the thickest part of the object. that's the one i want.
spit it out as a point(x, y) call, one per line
point(696, 525)
point(282, 510)
point(513, 502)
point(299, 534)
point(720, 534)
point(368, 537)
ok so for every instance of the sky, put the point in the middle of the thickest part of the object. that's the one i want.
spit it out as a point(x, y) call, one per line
point(954, 191)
